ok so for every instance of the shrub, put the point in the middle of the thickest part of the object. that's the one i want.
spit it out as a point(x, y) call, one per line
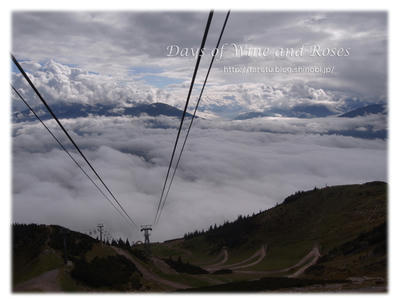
point(140, 253)
point(223, 271)
point(182, 267)
point(115, 272)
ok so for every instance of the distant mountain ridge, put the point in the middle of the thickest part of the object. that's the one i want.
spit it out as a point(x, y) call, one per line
point(297, 111)
point(366, 110)
point(77, 110)
point(313, 111)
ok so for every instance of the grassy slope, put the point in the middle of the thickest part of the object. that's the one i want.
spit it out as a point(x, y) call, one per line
point(328, 217)
point(263, 284)
point(38, 249)
point(364, 255)
point(99, 250)
point(31, 257)
point(46, 261)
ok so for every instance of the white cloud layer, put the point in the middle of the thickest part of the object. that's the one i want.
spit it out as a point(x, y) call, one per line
point(229, 167)
point(225, 171)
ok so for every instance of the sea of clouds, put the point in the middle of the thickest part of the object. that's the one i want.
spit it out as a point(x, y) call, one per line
point(228, 168)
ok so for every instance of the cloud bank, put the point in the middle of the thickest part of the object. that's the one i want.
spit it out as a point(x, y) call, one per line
point(225, 171)
point(229, 167)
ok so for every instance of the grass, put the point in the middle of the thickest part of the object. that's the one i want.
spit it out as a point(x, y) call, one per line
point(364, 255)
point(328, 217)
point(191, 280)
point(263, 284)
point(238, 255)
point(99, 250)
point(185, 251)
point(68, 284)
point(283, 256)
point(46, 261)
point(161, 250)
point(184, 267)
point(198, 280)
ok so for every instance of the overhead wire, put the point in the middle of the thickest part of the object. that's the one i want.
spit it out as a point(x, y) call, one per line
point(67, 152)
point(164, 194)
point(200, 53)
point(193, 115)
point(69, 137)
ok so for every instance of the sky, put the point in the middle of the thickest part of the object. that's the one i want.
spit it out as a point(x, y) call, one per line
point(128, 51)
point(229, 167)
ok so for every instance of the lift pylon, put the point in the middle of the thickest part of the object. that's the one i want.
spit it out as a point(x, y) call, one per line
point(146, 229)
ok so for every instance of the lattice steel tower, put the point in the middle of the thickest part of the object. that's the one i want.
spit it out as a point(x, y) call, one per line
point(146, 229)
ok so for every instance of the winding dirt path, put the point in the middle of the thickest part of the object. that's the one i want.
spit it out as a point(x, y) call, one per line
point(46, 282)
point(314, 252)
point(243, 264)
point(217, 265)
point(150, 275)
point(305, 262)
point(212, 261)
point(163, 266)
point(261, 253)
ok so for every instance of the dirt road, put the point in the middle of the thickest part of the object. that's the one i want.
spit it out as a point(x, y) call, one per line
point(217, 265)
point(46, 282)
point(312, 257)
point(305, 262)
point(244, 263)
point(163, 266)
point(148, 275)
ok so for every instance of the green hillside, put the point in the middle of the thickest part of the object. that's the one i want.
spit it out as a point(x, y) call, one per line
point(326, 218)
point(334, 236)
point(81, 263)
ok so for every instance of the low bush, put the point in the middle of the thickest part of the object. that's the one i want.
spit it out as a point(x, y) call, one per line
point(114, 272)
point(182, 267)
point(223, 271)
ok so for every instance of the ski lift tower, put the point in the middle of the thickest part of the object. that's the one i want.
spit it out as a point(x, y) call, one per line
point(146, 229)
point(100, 229)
